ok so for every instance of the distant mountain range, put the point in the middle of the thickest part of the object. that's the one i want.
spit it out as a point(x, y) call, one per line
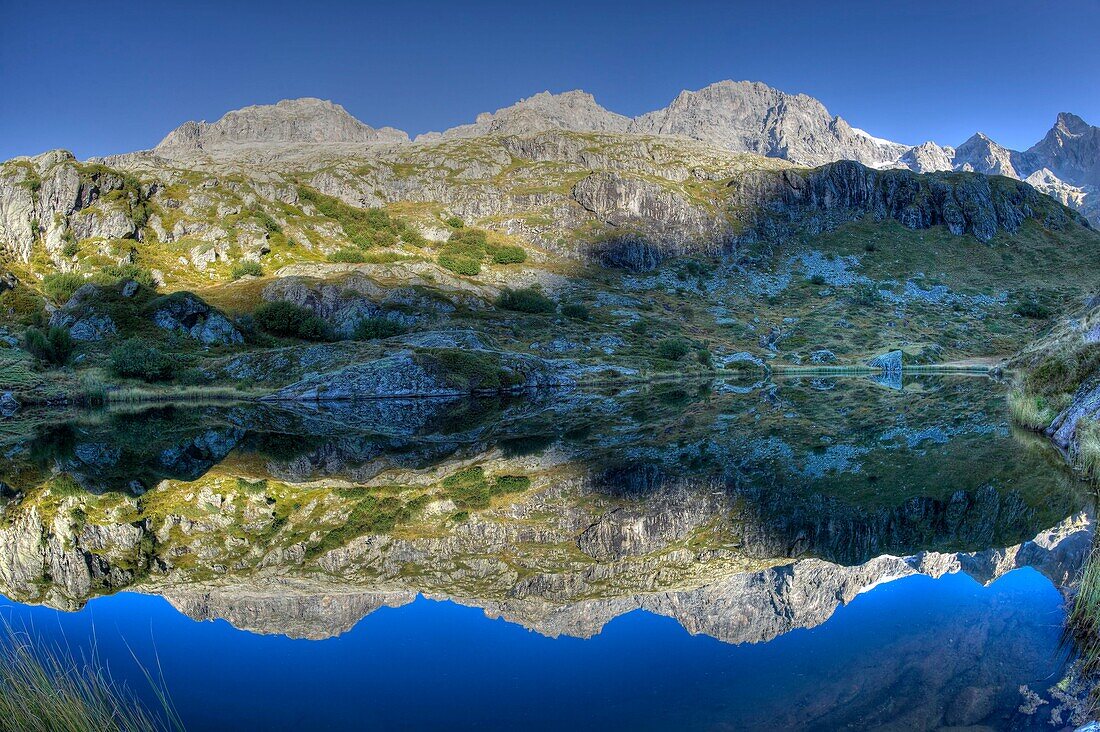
point(738, 116)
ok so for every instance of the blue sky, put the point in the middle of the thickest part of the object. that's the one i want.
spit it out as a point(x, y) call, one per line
point(106, 77)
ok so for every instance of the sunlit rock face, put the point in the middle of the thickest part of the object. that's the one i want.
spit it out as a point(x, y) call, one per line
point(773, 505)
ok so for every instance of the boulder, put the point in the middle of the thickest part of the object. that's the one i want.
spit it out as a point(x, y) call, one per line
point(83, 316)
point(890, 363)
point(187, 313)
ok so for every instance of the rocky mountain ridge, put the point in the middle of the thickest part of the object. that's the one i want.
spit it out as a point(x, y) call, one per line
point(742, 116)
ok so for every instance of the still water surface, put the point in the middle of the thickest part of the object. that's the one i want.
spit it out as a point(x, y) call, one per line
point(815, 554)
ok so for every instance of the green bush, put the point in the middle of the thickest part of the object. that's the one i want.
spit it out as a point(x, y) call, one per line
point(247, 269)
point(468, 240)
point(508, 254)
point(60, 286)
point(459, 264)
point(347, 256)
point(114, 273)
point(136, 359)
point(525, 300)
point(673, 349)
point(369, 329)
point(271, 226)
point(53, 346)
point(1033, 309)
point(454, 222)
point(574, 310)
point(703, 356)
point(287, 319)
point(470, 488)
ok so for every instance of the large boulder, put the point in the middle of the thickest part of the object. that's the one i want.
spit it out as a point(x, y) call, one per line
point(85, 315)
point(184, 312)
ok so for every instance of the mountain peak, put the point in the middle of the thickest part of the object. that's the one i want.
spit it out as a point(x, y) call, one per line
point(306, 120)
point(749, 116)
point(574, 110)
point(1071, 124)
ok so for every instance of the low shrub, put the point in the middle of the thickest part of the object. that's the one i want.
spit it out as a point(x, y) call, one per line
point(1053, 375)
point(574, 310)
point(114, 273)
point(136, 359)
point(472, 370)
point(371, 328)
point(53, 346)
point(673, 349)
point(1033, 309)
point(454, 222)
point(347, 256)
point(60, 286)
point(247, 269)
point(287, 319)
point(866, 295)
point(459, 264)
point(525, 300)
point(508, 254)
point(471, 489)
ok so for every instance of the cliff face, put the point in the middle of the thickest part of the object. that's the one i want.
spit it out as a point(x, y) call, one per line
point(56, 200)
point(965, 204)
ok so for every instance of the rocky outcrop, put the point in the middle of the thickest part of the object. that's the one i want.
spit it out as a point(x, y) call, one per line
point(186, 313)
point(9, 405)
point(50, 198)
point(84, 315)
point(347, 300)
point(846, 191)
point(1084, 405)
point(291, 121)
point(433, 373)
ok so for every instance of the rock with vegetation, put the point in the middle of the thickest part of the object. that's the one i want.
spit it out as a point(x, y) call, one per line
point(188, 314)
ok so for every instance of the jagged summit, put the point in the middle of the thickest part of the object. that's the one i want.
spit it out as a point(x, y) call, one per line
point(982, 155)
point(748, 116)
point(1071, 149)
point(305, 120)
point(574, 110)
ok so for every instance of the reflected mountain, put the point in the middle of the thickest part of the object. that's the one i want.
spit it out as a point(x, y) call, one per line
point(742, 510)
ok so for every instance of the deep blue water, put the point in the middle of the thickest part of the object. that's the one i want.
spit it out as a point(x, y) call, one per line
point(895, 650)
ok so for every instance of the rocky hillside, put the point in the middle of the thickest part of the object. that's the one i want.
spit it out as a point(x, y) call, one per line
point(566, 237)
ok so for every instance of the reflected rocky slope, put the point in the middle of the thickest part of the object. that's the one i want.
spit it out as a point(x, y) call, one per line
point(741, 510)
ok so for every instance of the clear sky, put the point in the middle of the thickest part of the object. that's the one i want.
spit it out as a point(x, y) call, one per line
point(105, 77)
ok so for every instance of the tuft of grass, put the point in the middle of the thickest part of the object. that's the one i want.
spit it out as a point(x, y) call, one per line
point(1088, 447)
point(44, 689)
point(1033, 411)
point(247, 269)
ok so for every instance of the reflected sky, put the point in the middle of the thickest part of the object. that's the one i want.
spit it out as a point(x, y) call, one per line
point(923, 651)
